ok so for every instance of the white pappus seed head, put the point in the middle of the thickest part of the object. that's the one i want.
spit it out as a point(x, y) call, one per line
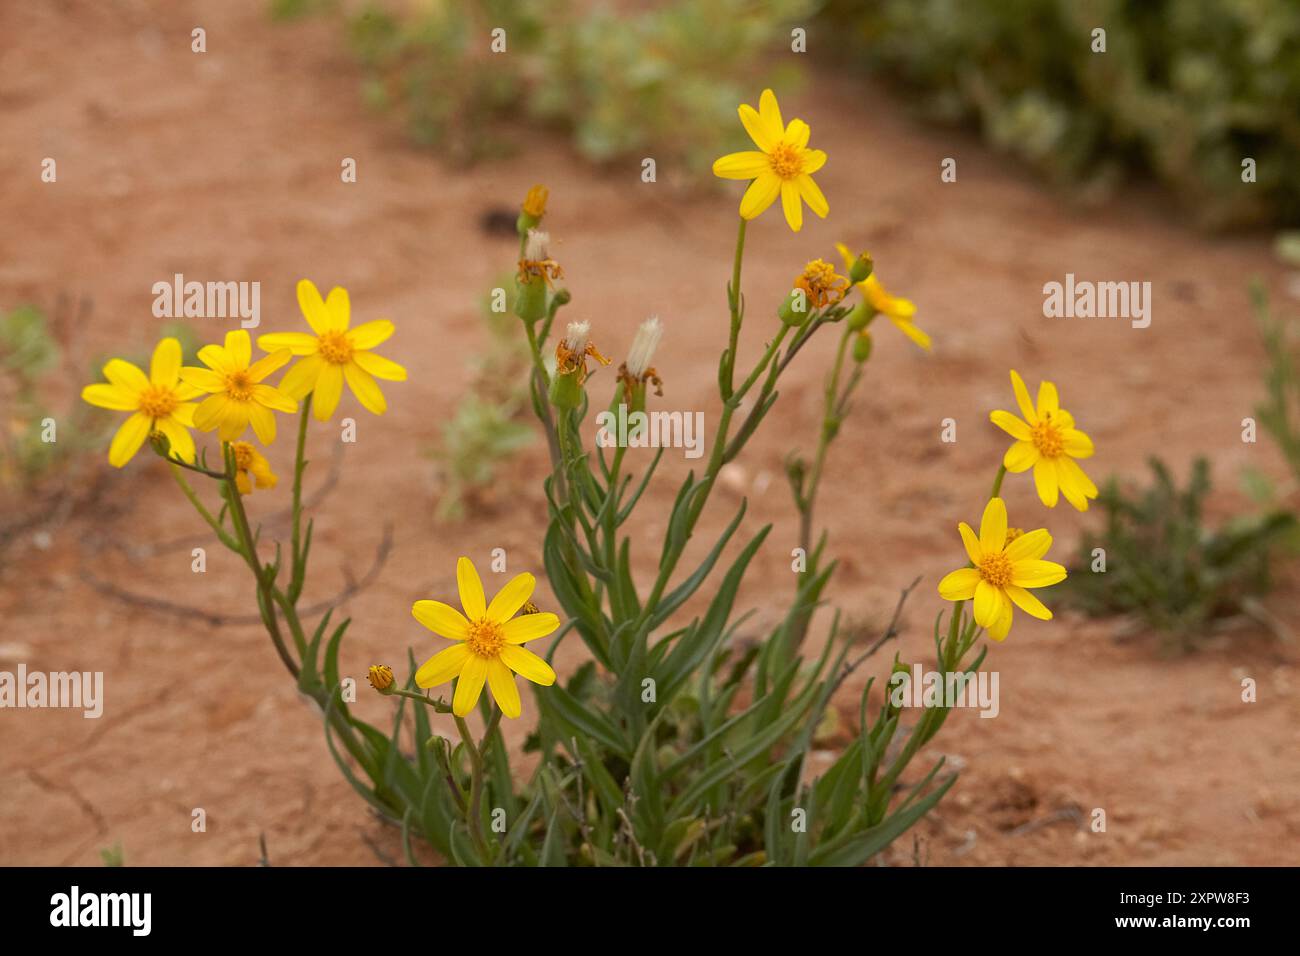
point(575, 338)
point(537, 248)
point(642, 353)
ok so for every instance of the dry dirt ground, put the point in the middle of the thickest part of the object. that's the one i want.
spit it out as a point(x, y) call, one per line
point(226, 165)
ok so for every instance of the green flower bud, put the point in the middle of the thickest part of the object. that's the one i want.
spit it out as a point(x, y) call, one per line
point(861, 268)
point(790, 312)
point(530, 302)
point(862, 347)
point(566, 392)
point(860, 316)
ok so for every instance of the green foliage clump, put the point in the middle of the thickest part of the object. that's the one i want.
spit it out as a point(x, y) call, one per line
point(1164, 565)
point(1185, 91)
point(618, 82)
point(28, 352)
point(1279, 414)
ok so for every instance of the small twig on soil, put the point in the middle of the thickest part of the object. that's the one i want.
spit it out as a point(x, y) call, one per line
point(890, 633)
point(1065, 813)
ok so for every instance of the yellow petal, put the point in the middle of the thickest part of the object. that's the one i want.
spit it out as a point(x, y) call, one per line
point(210, 412)
point(791, 205)
point(1048, 401)
point(989, 603)
point(1047, 481)
point(130, 436)
point(1036, 573)
point(501, 681)
point(511, 597)
point(469, 685)
point(263, 422)
point(299, 343)
point(268, 364)
point(364, 388)
point(974, 550)
point(234, 421)
point(380, 367)
point(1028, 603)
point(1021, 456)
point(1011, 425)
point(338, 309)
point(757, 129)
point(442, 619)
point(813, 196)
point(770, 113)
point(272, 397)
point(762, 192)
point(312, 306)
point(443, 666)
point(1022, 398)
point(329, 388)
point(1075, 475)
point(527, 664)
point(796, 134)
point(301, 379)
point(369, 334)
point(110, 396)
point(993, 526)
point(239, 348)
point(166, 364)
point(1000, 628)
point(471, 590)
point(959, 585)
point(215, 358)
point(529, 627)
point(184, 413)
point(813, 160)
point(1030, 546)
point(182, 441)
point(125, 376)
point(1076, 444)
point(203, 379)
point(749, 164)
point(909, 329)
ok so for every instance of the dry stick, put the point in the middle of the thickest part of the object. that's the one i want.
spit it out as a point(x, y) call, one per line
point(890, 633)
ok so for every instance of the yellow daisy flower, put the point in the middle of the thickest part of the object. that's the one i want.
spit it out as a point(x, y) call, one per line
point(490, 639)
point(238, 395)
point(1004, 568)
point(782, 166)
point(1048, 442)
point(334, 353)
point(250, 461)
point(159, 402)
point(895, 308)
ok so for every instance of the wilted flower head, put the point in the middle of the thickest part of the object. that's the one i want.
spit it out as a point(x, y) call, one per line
point(822, 284)
point(637, 370)
point(535, 202)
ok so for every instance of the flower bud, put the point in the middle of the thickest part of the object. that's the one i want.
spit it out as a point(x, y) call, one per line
point(381, 678)
point(861, 268)
point(860, 316)
point(794, 310)
point(862, 347)
point(536, 270)
point(571, 365)
point(534, 208)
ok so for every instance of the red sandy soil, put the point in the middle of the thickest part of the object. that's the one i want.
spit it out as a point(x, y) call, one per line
point(226, 165)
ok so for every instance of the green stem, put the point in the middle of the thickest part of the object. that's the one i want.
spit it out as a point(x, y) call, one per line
point(997, 482)
point(733, 301)
point(473, 812)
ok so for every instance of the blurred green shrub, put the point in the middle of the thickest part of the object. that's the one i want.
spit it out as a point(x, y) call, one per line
point(1165, 566)
point(28, 353)
point(662, 81)
point(1185, 90)
point(1279, 414)
point(490, 422)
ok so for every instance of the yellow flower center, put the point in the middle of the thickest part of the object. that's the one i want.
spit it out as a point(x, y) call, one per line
point(157, 401)
point(787, 161)
point(996, 569)
point(243, 455)
point(239, 387)
point(486, 638)
point(1047, 437)
point(335, 347)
